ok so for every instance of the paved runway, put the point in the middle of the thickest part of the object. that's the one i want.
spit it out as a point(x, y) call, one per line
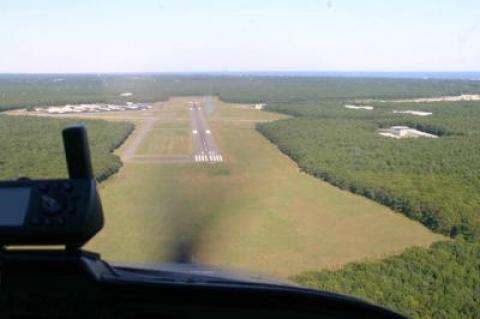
point(204, 147)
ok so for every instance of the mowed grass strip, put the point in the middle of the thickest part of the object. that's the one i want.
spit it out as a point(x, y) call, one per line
point(255, 211)
point(166, 141)
point(240, 113)
point(171, 134)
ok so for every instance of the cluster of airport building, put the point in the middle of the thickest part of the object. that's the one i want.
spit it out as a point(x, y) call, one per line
point(93, 108)
point(446, 98)
point(370, 108)
point(456, 98)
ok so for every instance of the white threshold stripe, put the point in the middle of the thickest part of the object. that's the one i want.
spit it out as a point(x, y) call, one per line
point(211, 157)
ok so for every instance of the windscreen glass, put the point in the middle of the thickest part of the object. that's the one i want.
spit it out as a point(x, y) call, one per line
point(330, 143)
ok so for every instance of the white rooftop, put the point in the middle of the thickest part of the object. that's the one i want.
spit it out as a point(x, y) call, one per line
point(419, 113)
point(358, 107)
point(404, 132)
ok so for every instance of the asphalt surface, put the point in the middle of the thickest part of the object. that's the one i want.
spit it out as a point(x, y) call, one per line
point(132, 147)
point(204, 147)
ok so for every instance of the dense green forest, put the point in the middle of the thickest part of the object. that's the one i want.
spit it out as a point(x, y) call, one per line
point(440, 282)
point(34, 90)
point(436, 181)
point(33, 147)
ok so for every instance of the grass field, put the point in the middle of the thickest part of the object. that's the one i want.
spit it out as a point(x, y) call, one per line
point(166, 141)
point(170, 134)
point(255, 211)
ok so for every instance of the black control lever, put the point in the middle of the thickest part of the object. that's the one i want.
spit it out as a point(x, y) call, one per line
point(77, 152)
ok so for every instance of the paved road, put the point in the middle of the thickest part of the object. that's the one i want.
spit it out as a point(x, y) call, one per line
point(204, 147)
point(208, 104)
point(137, 138)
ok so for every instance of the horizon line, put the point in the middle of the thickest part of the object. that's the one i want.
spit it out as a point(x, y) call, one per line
point(241, 71)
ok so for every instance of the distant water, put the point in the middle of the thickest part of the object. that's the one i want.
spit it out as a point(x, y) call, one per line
point(474, 76)
point(394, 75)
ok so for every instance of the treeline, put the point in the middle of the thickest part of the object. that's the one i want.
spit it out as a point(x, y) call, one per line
point(435, 181)
point(441, 282)
point(33, 147)
point(37, 90)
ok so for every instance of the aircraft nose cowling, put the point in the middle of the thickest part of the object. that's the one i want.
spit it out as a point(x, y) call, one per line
point(207, 273)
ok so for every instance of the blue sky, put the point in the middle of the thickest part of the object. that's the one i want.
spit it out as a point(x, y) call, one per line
point(241, 35)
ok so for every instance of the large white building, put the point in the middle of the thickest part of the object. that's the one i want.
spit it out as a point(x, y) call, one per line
point(358, 107)
point(419, 113)
point(404, 132)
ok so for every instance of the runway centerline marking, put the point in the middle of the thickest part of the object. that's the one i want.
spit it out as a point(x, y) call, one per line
point(205, 148)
